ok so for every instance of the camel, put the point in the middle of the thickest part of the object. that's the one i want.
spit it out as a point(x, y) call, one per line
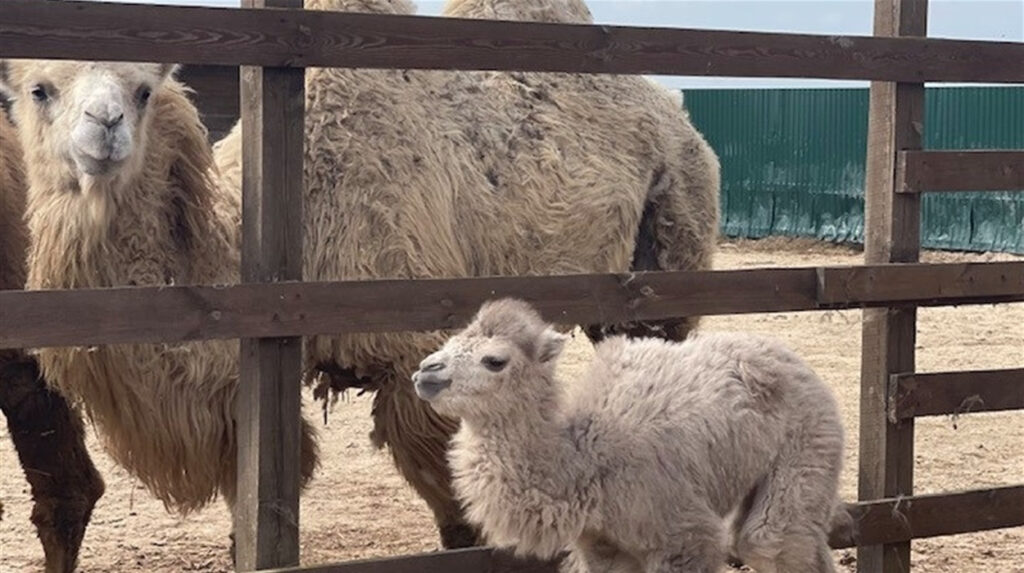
point(427, 174)
point(662, 456)
point(48, 434)
point(409, 174)
point(123, 191)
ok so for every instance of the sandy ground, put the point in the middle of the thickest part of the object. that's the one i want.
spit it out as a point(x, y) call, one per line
point(358, 507)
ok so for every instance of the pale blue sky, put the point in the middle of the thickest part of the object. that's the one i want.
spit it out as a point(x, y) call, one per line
point(964, 19)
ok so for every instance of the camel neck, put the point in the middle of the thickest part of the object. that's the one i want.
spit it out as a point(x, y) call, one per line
point(535, 438)
point(524, 464)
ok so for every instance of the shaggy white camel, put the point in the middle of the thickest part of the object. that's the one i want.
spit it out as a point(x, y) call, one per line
point(423, 174)
point(639, 464)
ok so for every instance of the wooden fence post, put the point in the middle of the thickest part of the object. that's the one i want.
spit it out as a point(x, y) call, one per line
point(268, 407)
point(892, 235)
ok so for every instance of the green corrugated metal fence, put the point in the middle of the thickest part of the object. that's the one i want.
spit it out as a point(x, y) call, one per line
point(793, 162)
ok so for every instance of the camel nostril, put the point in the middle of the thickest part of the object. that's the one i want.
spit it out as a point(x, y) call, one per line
point(433, 367)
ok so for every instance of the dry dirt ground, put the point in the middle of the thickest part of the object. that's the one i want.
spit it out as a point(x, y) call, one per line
point(358, 507)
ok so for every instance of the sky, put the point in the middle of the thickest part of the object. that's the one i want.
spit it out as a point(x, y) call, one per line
point(960, 19)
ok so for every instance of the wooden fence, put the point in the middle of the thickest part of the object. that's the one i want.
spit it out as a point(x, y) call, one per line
point(271, 308)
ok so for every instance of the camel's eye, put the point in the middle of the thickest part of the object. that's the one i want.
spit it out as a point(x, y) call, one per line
point(144, 94)
point(40, 93)
point(493, 363)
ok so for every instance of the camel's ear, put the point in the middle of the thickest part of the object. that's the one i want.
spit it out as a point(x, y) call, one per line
point(552, 343)
point(169, 70)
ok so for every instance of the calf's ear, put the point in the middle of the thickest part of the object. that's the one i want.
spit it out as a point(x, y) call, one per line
point(551, 345)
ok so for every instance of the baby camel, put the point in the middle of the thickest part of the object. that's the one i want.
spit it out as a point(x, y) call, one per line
point(640, 466)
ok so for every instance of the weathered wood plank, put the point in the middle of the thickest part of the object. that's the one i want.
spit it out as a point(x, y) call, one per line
point(285, 309)
point(895, 520)
point(173, 314)
point(196, 35)
point(880, 521)
point(472, 560)
point(942, 393)
point(918, 282)
point(268, 408)
point(892, 235)
point(989, 170)
point(217, 96)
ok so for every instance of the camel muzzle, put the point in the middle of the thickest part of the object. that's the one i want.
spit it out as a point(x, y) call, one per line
point(430, 384)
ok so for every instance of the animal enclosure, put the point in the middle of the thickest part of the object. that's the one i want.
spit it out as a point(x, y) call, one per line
point(271, 308)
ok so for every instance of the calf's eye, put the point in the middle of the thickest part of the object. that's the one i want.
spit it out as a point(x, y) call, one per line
point(144, 94)
point(493, 363)
point(40, 94)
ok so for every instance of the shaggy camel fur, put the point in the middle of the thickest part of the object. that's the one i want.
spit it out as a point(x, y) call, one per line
point(416, 174)
point(557, 11)
point(123, 191)
point(48, 435)
point(639, 464)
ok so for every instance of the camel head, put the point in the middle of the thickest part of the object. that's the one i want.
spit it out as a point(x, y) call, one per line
point(504, 359)
point(83, 121)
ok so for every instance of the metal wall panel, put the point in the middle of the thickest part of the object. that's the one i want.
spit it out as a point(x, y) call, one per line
point(793, 162)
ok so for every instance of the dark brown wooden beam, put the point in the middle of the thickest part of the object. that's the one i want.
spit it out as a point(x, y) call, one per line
point(892, 234)
point(991, 170)
point(473, 560)
point(880, 521)
point(178, 313)
point(222, 36)
point(956, 393)
point(897, 520)
point(268, 410)
point(901, 283)
point(217, 96)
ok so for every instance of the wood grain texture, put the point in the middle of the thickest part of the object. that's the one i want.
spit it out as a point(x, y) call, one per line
point(901, 283)
point(217, 96)
point(472, 560)
point(172, 314)
point(955, 393)
point(880, 521)
point(892, 235)
point(222, 36)
point(268, 407)
point(988, 170)
point(894, 520)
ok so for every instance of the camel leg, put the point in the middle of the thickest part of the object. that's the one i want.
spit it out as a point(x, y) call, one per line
point(695, 543)
point(698, 550)
point(785, 527)
point(595, 555)
point(418, 439)
point(50, 440)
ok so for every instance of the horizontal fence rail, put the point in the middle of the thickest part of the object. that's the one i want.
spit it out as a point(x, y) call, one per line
point(983, 170)
point(308, 38)
point(178, 313)
point(915, 517)
point(919, 283)
point(473, 560)
point(879, 521)
point(956, 393)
